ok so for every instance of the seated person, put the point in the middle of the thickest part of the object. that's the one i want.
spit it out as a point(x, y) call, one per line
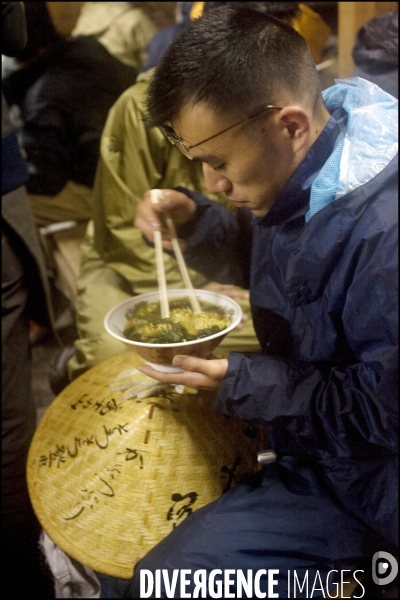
point(64, 88)
point(123, 28)
point(159, 43)
point(376, 52)
point(116, 261)
point(318, 172)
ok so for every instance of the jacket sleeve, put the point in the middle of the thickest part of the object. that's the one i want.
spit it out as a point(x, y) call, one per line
point(47, 146)
point(214, 231)
point(129, 165)
point(330, 410)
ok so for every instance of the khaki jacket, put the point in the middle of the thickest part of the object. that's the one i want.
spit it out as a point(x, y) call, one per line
point(133, 160)
point(123, 29)
point(116, 261)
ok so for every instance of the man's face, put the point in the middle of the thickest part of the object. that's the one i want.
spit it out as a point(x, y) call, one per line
point(250, 163)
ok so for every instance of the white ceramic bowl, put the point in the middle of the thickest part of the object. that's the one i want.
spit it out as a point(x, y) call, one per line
point(160, 355)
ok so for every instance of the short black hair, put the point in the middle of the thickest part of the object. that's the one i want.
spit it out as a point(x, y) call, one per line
point(234, 60)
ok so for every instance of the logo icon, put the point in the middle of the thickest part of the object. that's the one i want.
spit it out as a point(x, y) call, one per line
point(384, 568)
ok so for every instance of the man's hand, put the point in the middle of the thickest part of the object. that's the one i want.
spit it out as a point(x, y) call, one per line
point(198, 373)
point(149, 218)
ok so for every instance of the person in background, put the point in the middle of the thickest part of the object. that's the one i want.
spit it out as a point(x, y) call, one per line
point(25, 295)
point(116, 263)
point(376, 52)
point(64, 89)
point(124, 29)
point(159, 43)
point(318, 173)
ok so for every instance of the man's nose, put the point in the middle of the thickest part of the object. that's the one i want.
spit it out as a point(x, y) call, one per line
point(215, 182)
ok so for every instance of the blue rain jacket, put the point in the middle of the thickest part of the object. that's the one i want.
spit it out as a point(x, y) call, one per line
point(322, 271)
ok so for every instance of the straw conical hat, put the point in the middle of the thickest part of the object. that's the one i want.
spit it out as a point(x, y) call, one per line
point(109, 477)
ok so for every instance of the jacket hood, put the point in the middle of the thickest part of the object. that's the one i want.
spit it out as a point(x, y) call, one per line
point(364, 147)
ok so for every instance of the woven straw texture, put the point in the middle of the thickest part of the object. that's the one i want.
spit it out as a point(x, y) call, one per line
point(109, 477)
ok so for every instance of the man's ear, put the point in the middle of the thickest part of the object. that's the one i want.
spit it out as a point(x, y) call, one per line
point(296, 125)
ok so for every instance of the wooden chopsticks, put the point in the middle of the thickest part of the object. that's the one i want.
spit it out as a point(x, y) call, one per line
point(182, 265)
point(155, 194)
point(162, 284)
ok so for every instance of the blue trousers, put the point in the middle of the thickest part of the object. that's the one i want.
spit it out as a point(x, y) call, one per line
point(282, 519)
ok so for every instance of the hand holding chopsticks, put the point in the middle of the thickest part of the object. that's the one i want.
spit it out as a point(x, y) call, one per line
point(160, 263)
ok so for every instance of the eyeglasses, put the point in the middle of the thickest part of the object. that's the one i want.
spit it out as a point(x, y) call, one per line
point(179, 143)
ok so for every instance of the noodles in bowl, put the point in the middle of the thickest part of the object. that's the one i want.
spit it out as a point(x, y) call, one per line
point(144, 322)
point(136, 322)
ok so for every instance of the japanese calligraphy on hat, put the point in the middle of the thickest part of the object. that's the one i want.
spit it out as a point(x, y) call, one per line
point(109, 477)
